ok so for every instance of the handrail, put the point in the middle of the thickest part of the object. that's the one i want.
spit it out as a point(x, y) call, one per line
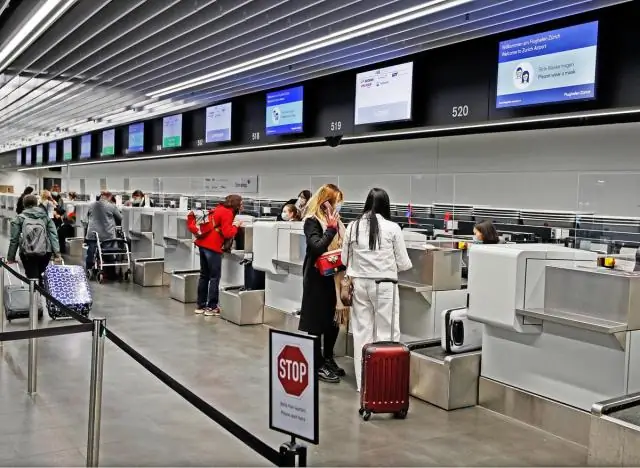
point(603, 408)
point(283, 457)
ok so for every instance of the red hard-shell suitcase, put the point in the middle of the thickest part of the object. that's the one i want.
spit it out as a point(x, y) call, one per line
point(385, 371)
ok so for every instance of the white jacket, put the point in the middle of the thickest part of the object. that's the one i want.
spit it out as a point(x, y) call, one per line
point(386, 261)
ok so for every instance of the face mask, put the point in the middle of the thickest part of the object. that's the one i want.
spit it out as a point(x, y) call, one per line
point(285, 216)
point(338, 207)
point(300, 203)
point(55, 194)
point(477, 240)
point(136, 202)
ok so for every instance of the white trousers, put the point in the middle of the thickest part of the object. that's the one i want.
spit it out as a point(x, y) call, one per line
point(365, 307)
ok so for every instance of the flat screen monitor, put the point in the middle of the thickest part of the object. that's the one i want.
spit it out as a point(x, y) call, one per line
point(108, 143)
point(39, 154)
point(384, 95)
point(85, 146)
point(172, 131)
point(218, 123)
point(67, 152)
point(136, 138)
point(27, 158)
point(550, 67)
point(19, 157)
point(53, 152)
point(284, 111)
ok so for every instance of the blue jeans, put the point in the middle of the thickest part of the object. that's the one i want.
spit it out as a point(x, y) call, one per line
point(209, 283)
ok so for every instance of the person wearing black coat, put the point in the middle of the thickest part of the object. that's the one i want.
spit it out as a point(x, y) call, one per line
point(20, 202)
point(317, 314)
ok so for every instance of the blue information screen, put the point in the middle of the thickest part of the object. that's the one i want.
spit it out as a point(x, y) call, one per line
point(554, 66)
point(53, 152)
point(85, 146)
point(284, 111)
point(136, 138)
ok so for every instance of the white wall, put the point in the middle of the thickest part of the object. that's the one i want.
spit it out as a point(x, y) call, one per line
point(593, 169)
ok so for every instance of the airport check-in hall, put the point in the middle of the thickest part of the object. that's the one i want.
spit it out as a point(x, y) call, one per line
point(319, 233)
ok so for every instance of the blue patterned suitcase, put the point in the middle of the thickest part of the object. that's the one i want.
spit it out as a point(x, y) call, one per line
point(69, 285)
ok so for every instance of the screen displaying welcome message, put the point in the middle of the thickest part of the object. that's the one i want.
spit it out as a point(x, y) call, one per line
point(549, 67)
point(284, 111)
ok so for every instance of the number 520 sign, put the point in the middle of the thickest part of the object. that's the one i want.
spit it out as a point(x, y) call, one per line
point(293, 385)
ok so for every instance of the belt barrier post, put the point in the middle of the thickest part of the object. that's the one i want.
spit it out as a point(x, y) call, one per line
point(2, 312)
point(33, 342)
point(290, 451)
point(95, 391)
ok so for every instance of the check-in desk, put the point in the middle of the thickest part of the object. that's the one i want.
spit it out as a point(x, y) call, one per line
point(557, 336)
point(278, 250)
point(177, 241)
point(141, 232)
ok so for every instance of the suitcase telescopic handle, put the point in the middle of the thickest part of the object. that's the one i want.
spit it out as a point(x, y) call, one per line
point(378, 282)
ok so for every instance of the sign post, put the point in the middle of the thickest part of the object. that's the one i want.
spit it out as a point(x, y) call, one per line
point(293, 391)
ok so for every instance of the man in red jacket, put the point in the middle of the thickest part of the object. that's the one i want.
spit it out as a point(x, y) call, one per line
point(211, 231)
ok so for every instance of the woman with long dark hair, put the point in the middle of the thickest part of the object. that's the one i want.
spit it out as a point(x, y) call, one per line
point(374, 248)
point(485, 233)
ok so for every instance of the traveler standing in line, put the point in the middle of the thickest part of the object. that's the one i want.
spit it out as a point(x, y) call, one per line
point(103, 216)
point(212, 230)
point(47, 203)
point(34, 233)
point(374, 248)
point(485, 233)
point(322, 229)
point(56, 196)
point(20, 203)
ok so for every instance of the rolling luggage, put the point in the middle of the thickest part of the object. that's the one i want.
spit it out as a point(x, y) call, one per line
point(459, 334)
point(69, 285)
point(16, 299)
point(385, 371)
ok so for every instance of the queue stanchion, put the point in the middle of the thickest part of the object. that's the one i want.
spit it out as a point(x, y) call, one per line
point(95, 391)
point(292, 451)
point(33, 342)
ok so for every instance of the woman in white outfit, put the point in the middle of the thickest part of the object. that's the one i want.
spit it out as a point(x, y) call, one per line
point(374, 248)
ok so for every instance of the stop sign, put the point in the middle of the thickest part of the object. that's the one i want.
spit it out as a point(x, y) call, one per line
point(293, 370)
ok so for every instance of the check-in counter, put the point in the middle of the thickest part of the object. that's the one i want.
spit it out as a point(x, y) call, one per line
point(178, 248)
point(558, 333)
point(141, 232)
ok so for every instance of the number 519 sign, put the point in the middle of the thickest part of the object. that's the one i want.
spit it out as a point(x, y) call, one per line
point(293, 385)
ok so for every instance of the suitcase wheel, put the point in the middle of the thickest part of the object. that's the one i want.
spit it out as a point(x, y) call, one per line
point(101, 278)
point(400, 414)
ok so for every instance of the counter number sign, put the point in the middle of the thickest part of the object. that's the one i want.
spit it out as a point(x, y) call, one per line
point(293, 385)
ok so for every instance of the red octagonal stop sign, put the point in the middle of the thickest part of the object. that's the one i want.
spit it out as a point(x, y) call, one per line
point(293, 370)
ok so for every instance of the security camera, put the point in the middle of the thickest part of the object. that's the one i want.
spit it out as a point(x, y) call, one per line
point(333, 141)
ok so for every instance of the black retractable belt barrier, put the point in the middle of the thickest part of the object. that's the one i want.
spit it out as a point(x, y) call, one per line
point(236, 430)
point(45, 332)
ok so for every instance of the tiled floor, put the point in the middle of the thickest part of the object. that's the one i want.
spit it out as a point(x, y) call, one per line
point(146, 424)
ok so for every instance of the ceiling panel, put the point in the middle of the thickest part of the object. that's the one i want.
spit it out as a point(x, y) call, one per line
point(108, 62)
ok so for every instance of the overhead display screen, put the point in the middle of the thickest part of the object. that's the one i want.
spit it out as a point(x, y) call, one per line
point(384, 95)
point(108, 143)
point(85, 146)
point(554, 66)
point(218, 123)
point(53, 152)
point(67, 153)
point(18, 157)
point(39, 154)
point(172, 131)
point(136, 138)
point(284, 111)
point(27, 159)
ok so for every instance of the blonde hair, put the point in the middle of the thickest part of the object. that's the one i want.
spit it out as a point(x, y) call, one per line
point(44, 195)
point(327, 193)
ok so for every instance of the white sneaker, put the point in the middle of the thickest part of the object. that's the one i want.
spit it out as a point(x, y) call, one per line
point(199, 311)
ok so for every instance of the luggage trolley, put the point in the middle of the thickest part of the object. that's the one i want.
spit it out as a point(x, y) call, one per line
point(119, 254)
